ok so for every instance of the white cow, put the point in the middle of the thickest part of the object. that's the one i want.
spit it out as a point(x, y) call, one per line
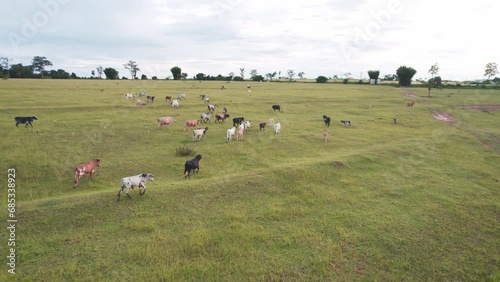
point(239, 134)
point(206, 100)
point(230, 133)
point(277, 128)
point(135, 181)
point(129, 96)
point(247, 124)
point(174, 103)
point(181, 96)
point(199, 133)
point(271, 121)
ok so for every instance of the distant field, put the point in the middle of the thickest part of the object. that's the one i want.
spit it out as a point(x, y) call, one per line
point(416, 201)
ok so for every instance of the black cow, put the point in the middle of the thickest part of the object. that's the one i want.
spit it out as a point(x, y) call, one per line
point(192, 165)
point(262, 126)
point(238, 120)
point(346, 122)
point(27, 120)
point(276, 107)
point(326, 119)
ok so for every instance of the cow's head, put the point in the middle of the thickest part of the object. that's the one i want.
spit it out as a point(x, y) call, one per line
point(97, 162)
point(34, 117)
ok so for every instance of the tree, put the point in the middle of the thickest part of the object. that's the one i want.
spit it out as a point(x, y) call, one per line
point(301, 74)
point(144, 77)
point(257, 77)
point(39, 63)
point(491, 69)
point(291, 74)
point(5, 65)
point(321, 79)
point(100, 70)
point(176, 72)
point(184, 75)
point(111, 73)
point(20, 71)
point(73, 75)
point(93, 73)
point(230, 76)
point(242, 73)
point(373, 74)
point(253, 73)
point(405, 74)
point(133, 67)
point(154, 77)
point(434, 70)
point(238, 78)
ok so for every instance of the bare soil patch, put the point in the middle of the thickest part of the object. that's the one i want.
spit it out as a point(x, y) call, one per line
point(443, 116)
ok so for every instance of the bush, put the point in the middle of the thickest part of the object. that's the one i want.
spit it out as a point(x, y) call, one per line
point(238, 78)
point(321, 79)
point(184, 151)
point(345, 81)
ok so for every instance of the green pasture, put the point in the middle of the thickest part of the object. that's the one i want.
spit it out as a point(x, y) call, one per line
point(415, 201)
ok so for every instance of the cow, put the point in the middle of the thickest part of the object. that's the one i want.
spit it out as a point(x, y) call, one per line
point(181, 96)
point(262, 126)
point(129, 96)
point(239, 133)
point(152, 98)
point(191, 123)
point(202, 96)
point(395, 121)
point(192, 165)
point(174, 103)
point(238, 120)
point(276, 107)
point(222, 87)
point(271, 121)
point(165, 121)
point(206, 100)
point(86, 168)
point(139, 102)
point(325, 135)
point(142, 94)
point(139, 180)
point(326, 119)
point(277, 128)
point(346, 122)
point(168, 98)
point(199, 133)
point(206, 116)
point(246, 125)
point(220, 117)
point(230, 132)
point(27, 120)
point(410, 104)
point(211, 107)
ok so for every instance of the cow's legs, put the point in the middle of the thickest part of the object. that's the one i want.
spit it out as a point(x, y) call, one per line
point(17, 124)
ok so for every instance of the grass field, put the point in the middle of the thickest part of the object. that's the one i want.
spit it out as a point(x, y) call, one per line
point(416, 201)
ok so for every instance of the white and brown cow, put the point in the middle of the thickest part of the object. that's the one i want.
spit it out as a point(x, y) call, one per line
point(86, 168)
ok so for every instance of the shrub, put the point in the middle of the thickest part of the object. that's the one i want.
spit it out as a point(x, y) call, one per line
point(184, 151)
point(345, 81)
point(321, 79)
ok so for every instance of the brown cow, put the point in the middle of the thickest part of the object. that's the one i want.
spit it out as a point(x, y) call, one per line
point(410, 104)
point(192, 123)
point(152, 98)
point(86, 168)
point(168, 98)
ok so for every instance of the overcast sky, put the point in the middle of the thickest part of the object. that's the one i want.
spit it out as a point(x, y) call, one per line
point(318, 37)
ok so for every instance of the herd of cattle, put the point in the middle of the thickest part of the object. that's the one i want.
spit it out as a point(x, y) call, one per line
point(240, 126)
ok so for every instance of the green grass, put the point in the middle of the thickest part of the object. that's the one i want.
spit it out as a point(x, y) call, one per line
point(417, 201)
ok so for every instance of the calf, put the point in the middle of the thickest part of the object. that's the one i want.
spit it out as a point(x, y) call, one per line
point(181, 96)
point(276, 107)
point(262, 126)
point(165, 121)
point(220, 117)
point(168, 98)
point(206, 100)
point(135, 181)
point(27, 120)
point(410, 104)
point(129, 96)
point(326, 119)
point(191, 165)
point(230, 133)
point(199, 133)
point(238, 120)
point(211, 107)
point(152, 98)
point(239, 134)
point(346, 122)
point(271, 121)
point(246, 125)
point(191, 123)
point(174, 103)
point(86, 168)
point(206, 116)
point(277, 128)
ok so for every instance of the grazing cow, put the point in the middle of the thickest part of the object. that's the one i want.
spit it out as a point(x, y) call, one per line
point(135, 181)
point(191, 123)
point(174, 103)
point(325, 135)
point(277, 128)
point(199, 133)
point(276, 107)
point(212, 107)
point(152, 98)
point(206, 100)
point(410, 104)
point(222, 88)
point(239, 134)
point(206, 116)
point(193, 165)
point(230, 133)
point(142, 94)
point(168, 98)
point(262, 126)
point(27, 120)
point(249, 87)
point(86, 168)
point(129, 96)
point(247, 124)
point(271, 121)
point(395, 121)
point(326, 119)
point(165, 121)
point(346, 122)
point(220, 117)
point(181, 96)
point(139, 102)
point(238, 120)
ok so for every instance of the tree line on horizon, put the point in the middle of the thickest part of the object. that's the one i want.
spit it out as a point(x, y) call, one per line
point(37, 69)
